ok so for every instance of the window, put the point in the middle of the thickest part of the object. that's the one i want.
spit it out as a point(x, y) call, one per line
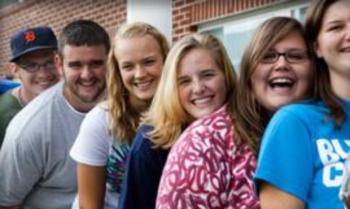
point(236, 31)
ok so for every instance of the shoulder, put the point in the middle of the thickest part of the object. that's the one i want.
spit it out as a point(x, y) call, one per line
point(35, 115)
point(141, 140)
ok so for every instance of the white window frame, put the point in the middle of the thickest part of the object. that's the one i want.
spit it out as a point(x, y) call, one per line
point(247, 22)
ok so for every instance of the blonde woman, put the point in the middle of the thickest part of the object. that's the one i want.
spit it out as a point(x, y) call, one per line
point(213, 162)
point(102, 146)
point(197, 79)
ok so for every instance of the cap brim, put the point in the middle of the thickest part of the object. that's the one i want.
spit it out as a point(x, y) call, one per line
point(33, 49)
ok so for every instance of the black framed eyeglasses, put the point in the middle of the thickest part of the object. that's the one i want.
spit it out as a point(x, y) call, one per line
point(33, 67)
point(292, 57)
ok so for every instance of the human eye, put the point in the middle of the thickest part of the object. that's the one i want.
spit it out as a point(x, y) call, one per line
point(183, 81)
point(96, 64)
point(126, 67)
point(49, 65)
point(296, 55)
point(149, 62)
point(208, 74)
point(269, 57)
point(75, 65)
point(334, 27)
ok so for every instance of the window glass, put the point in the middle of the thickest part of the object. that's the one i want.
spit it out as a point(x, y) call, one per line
point(235, 34)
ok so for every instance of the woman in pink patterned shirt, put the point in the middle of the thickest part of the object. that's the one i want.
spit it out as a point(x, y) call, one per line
point(212, 163)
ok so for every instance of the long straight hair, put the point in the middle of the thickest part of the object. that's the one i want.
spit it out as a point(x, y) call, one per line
point(252, 117)
point(314, 18)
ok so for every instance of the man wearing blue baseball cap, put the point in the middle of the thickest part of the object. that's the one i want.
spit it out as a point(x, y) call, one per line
point(36, 169)
point(33, 52)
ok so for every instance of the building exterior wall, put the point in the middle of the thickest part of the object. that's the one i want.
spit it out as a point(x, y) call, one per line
point(56, 14)
point(186, 15)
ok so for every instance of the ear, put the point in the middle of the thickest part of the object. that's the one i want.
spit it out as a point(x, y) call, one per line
point(317, 50)
point(13, 69)
point(59, 63)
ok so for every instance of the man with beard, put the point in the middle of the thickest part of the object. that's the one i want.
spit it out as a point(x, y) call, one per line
point(37, 171)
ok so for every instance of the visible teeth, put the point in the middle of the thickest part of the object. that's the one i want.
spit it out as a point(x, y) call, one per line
point(281, 80)
point(143, 84)
point(202, 100)
point(87, 84)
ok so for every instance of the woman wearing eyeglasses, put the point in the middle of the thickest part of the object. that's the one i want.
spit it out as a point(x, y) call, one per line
point(301, 161)
point(212, 166)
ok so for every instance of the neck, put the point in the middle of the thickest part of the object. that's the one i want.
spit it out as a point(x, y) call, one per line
point(340, 85)
point(23, 96)
point(139, 105)
point(76, 102)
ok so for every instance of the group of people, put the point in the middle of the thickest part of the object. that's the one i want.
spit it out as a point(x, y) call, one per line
point(139, 124)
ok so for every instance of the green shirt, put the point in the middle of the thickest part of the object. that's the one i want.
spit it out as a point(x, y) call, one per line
point(9, 107)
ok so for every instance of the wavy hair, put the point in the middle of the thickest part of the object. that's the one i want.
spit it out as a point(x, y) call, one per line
point(125, 119)
point(166, 114)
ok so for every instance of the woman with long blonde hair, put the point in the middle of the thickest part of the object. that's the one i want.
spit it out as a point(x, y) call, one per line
point(102, 146)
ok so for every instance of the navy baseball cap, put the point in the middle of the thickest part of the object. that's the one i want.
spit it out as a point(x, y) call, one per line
point(30, 40)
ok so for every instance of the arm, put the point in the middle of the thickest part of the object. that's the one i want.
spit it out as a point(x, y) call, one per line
point(273, 198)
point(91, 186)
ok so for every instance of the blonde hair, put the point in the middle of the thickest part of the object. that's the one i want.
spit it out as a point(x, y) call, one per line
point(166, 114)
point(253, 117)
point(124, 118)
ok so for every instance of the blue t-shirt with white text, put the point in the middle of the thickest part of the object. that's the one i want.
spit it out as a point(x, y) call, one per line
point(303, 154)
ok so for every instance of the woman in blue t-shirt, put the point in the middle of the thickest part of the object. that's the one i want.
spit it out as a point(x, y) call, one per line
point(301, 160)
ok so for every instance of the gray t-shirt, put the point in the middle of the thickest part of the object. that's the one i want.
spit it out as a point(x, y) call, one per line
point(35, 168)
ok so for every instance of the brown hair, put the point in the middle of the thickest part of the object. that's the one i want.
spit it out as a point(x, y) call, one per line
point(252, 117)
point(314, 18)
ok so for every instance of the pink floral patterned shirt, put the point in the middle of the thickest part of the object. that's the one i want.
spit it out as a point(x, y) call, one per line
point(206, 169)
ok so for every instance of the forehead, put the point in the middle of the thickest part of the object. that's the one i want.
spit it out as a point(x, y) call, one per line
point(290, 41)
point(196, 60)
point(136, 46)
point(337, 11)
point(38, 55)
point(84, 53)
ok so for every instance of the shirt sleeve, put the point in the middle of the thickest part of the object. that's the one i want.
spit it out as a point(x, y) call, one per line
point(93, 141)
point(22, 164)
point(192, 176)
point(285, 158)
point(143, 171)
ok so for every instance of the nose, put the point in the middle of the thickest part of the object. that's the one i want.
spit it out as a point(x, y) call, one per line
point(281, 63)
point(139, 72)
point(198, 87)
point(86, 73)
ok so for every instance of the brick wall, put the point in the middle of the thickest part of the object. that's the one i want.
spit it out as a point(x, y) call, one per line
point(188, 13)
point(56, 14)
point(111, 13)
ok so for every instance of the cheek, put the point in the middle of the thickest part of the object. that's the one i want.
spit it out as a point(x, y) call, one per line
point(183, 92)
point(126, 77)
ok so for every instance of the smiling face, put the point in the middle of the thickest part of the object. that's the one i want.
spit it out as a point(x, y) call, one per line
point(333, 41)
point(201, 84)
point(278, 83)
point(83, 69)
point(33, 83)
point(140, 61)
